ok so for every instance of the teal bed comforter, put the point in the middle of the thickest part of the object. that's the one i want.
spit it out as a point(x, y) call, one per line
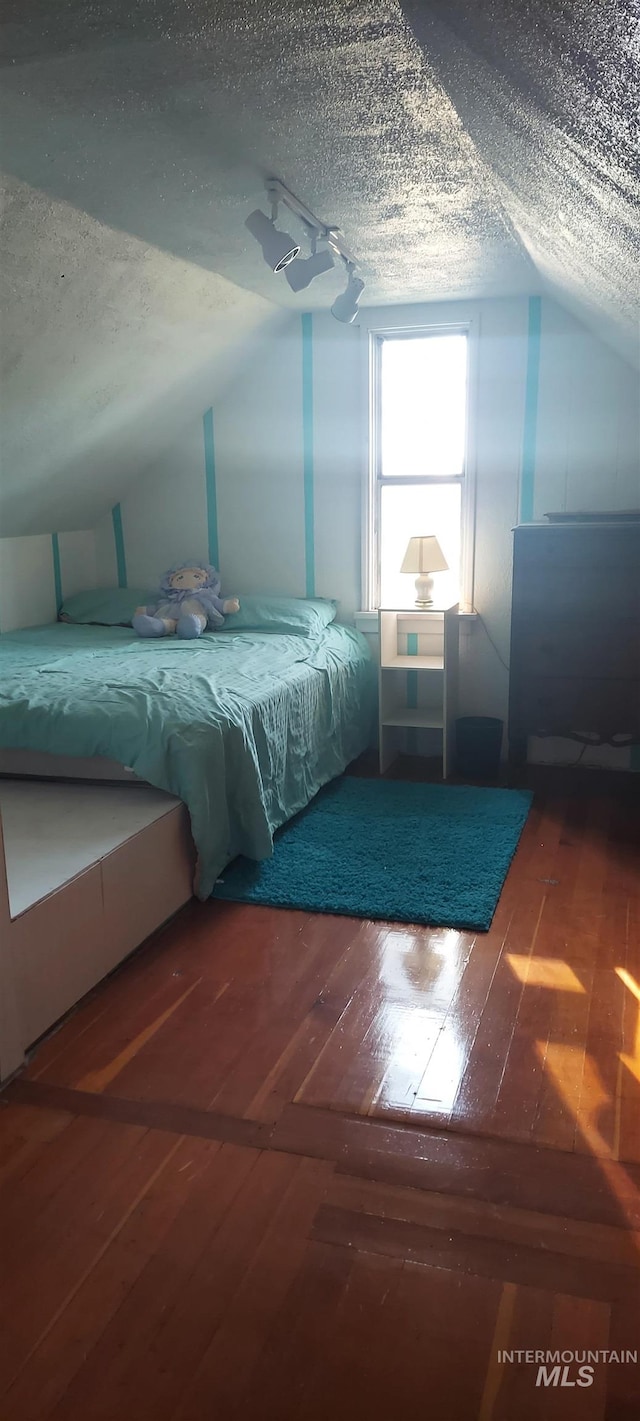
point(245, 727)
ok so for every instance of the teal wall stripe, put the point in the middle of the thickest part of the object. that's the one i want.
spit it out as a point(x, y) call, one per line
point(529, 433)
point(634, 759)
point(412, 690)
point(210, 484)
point(412, 676)
point(121, 562)
point(57, 571)
point(307, 453)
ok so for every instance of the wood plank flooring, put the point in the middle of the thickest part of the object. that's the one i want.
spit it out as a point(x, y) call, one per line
point(284, 1165)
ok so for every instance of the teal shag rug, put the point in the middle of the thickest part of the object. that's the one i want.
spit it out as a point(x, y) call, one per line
point(390, 850)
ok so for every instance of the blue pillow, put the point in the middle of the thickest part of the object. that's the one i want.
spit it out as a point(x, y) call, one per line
point(294, 615)
point(105, 606)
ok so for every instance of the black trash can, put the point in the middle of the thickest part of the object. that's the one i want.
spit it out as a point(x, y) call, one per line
point(478, 744)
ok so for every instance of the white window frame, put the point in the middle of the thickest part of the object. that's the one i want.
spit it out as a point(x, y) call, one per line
point(375, 480)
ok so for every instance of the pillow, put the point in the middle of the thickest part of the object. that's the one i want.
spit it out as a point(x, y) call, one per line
point(105, 606)
point(297, 615)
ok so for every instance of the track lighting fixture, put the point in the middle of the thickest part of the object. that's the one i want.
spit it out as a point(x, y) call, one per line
point(278, 248)
point(301, 272)
point(281, 252)
point(345, 306)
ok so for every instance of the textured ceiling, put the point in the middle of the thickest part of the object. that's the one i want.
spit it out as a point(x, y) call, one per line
point(105, 341)
point(166, 127)
point(465, 149)
point(549, 94)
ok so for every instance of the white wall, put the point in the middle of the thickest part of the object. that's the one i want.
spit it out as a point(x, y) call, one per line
point(164, 515)
point(27, 586)
point(29, 594)
point(78, 564)
point(259, 453)
point(340, 433)
point(587, 455)
point(258, 489)
point(259, 461)
point(106, 564)
point(588, 425)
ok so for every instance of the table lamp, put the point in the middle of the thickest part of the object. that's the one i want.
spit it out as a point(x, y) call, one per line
point(424, 556)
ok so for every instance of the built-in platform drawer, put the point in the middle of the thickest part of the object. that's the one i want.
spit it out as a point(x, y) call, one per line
point(55, 946)
point(136, 897)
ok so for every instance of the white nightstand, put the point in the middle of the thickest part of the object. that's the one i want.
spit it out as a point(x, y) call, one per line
point(418, 689)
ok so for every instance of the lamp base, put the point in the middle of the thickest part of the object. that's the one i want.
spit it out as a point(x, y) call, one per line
point(424, 591)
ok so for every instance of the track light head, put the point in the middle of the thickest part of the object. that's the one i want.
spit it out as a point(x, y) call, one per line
point(278, 248)
point(302, 271)
point(345, 306)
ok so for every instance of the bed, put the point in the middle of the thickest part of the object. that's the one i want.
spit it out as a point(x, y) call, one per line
point(236, 732)
point(243, 726)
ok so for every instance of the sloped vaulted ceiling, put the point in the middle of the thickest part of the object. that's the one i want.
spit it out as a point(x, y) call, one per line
point(549, 94)
point(465, 148)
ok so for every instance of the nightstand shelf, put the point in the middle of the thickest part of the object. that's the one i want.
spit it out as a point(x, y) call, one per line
point(415, 719)
point(418, 686)
point(415, 663)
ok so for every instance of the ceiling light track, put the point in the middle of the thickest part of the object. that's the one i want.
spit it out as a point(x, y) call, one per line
point(282, 252)
point(277, 192)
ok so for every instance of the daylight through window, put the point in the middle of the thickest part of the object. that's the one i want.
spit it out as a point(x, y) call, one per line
point(418, 472)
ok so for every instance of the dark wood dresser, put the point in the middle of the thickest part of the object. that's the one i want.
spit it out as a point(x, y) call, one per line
point(575, 632)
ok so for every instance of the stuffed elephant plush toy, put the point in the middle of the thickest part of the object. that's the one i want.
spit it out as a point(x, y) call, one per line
point(188, 604)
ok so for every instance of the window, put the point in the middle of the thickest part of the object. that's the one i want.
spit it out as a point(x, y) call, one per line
point(419, 456)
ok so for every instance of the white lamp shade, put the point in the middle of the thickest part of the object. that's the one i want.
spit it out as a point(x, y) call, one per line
point(424, 554)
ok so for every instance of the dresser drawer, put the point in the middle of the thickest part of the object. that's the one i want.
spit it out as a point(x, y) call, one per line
point(558, 704)
point(589, 645)
point(574, 590)
point(594, 547)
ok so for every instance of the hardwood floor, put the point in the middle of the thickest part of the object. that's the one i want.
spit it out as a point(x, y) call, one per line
point(284, 1165)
